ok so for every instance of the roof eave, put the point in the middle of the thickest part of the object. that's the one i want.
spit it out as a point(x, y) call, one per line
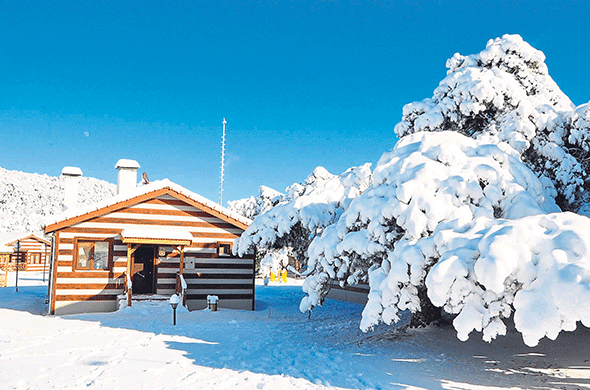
point(138, 199)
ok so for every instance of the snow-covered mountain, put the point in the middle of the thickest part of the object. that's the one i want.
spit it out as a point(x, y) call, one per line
point(26, 199)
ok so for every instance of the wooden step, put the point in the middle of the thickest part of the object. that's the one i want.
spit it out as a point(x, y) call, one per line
point(150, 297)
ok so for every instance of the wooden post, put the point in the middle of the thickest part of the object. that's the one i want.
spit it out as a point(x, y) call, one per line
point(181, 259)
point(128, 274)
point(181, 271)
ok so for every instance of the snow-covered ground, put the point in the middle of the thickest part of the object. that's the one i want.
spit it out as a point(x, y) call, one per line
point(274, 347)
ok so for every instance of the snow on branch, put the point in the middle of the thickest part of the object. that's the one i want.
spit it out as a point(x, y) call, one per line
point(505, 94)
point(308, 208)
point(539, 265)
point(428, 181)
point(252, 207)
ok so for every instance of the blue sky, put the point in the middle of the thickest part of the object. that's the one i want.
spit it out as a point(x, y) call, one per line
point(300, 83)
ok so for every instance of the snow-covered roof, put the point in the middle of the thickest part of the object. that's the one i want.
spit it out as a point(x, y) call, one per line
point(8, 238)
point(143, 190)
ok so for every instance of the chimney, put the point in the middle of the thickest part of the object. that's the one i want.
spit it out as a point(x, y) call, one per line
point(71, 175)
point(127, 178)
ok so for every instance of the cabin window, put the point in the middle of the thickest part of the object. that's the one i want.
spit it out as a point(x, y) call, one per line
point(92, 255)
point(224, 249)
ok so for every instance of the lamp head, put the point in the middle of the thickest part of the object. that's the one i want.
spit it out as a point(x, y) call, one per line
point(174, 301)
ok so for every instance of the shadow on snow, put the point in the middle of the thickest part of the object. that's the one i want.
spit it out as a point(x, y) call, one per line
point(329, 349)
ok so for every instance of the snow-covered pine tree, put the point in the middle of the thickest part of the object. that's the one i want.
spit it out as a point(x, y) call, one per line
point(307, 209)
point(456, 220)
point(253, 206)
point(427, 182)
point(505, 93)
point(561, 152)
point(462, 213)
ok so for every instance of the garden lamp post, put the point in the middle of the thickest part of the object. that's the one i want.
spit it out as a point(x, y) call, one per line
point(174, 301)
point(17, 249)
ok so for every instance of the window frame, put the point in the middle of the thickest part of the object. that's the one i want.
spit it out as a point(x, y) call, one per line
point(93, 240)
point(221, 252)
point(34, 258)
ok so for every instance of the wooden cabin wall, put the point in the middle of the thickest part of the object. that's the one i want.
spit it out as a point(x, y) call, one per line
point(230, 278)
point(3, 266)
point(4, 259)
point(36, 255)
point(88, 291)
point(33, 256)
point(77, 291)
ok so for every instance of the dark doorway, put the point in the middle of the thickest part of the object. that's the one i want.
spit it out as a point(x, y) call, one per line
point(143, 270)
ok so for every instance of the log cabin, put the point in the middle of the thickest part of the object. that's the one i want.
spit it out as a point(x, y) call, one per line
point(5, 253)
point(155, 239)
point(34, 251)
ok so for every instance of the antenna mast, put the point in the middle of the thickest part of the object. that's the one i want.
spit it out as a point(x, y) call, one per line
point(222, 163)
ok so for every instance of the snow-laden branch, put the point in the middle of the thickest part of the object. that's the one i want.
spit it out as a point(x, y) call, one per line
point(308, 208)
point(540, 265)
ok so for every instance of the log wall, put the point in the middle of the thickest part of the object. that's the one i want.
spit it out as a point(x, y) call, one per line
point(206, 273)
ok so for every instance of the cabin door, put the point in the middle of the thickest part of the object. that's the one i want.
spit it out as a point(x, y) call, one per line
point(144, 280)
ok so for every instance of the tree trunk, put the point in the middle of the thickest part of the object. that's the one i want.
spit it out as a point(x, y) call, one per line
point(428, 314)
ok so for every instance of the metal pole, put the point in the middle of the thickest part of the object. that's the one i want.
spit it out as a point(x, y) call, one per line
point(17, 261)
point(222, 163)
point(174, 310)
point(44, 261)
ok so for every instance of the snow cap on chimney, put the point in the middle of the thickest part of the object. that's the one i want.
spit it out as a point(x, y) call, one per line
point(127, 177)
point(71, 171)
point(71, 175)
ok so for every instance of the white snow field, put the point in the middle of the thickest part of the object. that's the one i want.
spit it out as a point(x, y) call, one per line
point(274, 347)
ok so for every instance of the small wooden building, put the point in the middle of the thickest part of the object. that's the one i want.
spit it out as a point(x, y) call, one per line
point(4, 256)
point(33, 254)
point(159, 239)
